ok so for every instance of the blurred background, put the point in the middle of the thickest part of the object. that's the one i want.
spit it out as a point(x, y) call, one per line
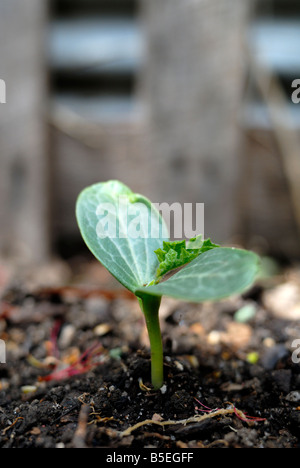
point(182, 100)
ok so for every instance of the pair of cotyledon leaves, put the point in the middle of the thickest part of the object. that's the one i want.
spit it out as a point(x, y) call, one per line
point(129, 237)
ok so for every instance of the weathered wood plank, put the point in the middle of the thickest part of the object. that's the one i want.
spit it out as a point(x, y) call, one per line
point(23, 175)
point(193, 78)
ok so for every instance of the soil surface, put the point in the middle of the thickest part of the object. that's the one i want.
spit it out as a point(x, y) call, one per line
point(78, 367)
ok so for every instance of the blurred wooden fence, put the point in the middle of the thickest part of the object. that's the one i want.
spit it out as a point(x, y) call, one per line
point(181, 137)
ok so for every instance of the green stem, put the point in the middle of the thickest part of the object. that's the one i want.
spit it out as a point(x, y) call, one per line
point(150, 307)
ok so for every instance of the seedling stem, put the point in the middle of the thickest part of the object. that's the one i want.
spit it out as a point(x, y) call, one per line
point(150, 308)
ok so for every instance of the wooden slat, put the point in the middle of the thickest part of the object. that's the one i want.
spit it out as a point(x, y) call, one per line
point(23, 174)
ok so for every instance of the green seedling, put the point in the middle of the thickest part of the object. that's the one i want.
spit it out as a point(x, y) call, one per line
point(130, 238)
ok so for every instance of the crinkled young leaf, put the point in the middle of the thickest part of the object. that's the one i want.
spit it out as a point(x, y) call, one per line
point(130, 259)
point(213, 275)
point(176, 254)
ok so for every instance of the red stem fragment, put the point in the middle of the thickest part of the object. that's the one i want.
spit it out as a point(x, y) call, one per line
point(82, 365)
point(53, 339)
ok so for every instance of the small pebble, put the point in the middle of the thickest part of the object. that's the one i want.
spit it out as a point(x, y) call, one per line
point(66, 336)
point(293, 397)
point(253, 357)
point(179, 365)
point(245, 313)
point(26, 389)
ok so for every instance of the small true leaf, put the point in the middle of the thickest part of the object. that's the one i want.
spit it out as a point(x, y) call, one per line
point(175, 254)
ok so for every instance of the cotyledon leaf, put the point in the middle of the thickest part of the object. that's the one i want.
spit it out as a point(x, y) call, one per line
point(214, 275)
point(122, 229)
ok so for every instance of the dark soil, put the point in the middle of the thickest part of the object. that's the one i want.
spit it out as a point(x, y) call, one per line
point(212, 358)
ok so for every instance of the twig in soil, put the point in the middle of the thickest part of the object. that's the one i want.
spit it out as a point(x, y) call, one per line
point(142, 386)
point(217, 442)
point(80, 433)
point(246, 418)
point(157, 435)
point(194, 419)
point(99, 419)
point(12, 425)
point(82, 397)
